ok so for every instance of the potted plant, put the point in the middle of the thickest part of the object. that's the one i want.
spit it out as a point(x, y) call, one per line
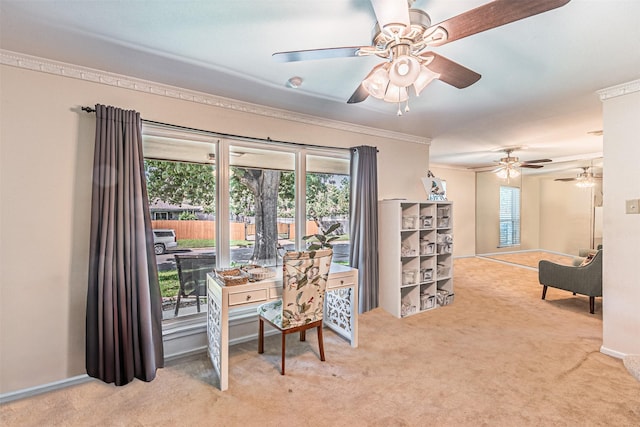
point(323, 238)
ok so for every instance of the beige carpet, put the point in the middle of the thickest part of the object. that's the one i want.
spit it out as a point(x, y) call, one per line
point(531, 259)
point(497, 356)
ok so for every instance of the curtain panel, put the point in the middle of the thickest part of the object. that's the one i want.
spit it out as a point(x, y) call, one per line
point(124, 305)
point(364, 224)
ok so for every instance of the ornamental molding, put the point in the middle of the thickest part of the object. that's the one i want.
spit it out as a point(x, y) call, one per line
point(619, 90)
point(49, 66)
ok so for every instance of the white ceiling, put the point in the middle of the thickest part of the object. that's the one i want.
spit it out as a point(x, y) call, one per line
point(539, 75)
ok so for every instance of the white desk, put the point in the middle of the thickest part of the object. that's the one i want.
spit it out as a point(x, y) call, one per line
point(340, 311)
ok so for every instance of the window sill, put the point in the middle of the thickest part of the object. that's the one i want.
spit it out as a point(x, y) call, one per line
point(184, 336)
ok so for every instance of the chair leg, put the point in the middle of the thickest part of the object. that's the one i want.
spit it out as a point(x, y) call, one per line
point(177, 305)
point(544, 291)
point(284, 340)
point(592, 304)
point(321, 342)
point(303, 335)
point(198, 299)
point(261, 336)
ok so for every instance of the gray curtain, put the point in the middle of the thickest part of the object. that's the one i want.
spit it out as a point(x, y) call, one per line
point(364, 223)
point(124, 306)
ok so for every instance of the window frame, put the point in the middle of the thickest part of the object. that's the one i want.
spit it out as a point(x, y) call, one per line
point(514, 236)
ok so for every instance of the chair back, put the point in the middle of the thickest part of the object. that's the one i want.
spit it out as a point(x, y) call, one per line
point(192, 272)
point(304, 282)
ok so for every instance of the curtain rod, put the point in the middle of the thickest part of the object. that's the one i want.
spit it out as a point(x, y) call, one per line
point(228, 135)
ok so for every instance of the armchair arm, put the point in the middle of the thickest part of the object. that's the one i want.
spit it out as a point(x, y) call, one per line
point(585, 280)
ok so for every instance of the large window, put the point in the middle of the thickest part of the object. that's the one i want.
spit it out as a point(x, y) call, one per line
point(232, 201)
point(327, 201)
point(261, 203)
point(509, 216)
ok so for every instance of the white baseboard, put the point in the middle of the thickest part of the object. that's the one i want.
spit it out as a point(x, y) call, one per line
point(612, 353)
point(44, 388)
point(519, 251)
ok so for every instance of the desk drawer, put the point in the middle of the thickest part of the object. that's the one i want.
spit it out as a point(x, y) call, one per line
point(247, 297)
point(340, 281)
point(275, 292)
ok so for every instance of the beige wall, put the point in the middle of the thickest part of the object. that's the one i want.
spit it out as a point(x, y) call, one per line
point(45, 182)
point(461, 190)
point(621, 232)
point(566, 212)
point(530, 213)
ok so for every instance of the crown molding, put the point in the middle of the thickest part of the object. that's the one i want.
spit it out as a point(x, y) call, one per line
point(619, 90)
point(33, 63)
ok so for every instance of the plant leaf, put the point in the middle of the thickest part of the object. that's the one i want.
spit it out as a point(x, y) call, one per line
point(333, 228)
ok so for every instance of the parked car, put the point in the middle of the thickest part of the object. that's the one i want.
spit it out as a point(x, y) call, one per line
point(164, 239)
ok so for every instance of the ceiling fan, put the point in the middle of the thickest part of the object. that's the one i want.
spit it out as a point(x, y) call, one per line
point(508, 165)
point(586, 178)
point(404, 36)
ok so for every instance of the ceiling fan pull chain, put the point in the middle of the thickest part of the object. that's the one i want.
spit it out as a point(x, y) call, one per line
point(406, 106)
point(399, 111)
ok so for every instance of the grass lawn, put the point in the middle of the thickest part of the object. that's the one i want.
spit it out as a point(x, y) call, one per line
point(169, 283)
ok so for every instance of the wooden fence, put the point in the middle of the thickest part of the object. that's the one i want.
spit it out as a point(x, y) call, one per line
point(206, 230)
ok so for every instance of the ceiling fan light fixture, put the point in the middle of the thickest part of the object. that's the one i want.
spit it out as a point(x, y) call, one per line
point(425, 77)
point(377, 81)
point(396, 93)
point(508, 172)
point(404, 70)
point(585, 183)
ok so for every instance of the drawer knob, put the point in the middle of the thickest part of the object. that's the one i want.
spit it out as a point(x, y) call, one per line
point(248, 297)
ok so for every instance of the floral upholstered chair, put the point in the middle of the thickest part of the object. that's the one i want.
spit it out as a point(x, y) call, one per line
point(304, 282)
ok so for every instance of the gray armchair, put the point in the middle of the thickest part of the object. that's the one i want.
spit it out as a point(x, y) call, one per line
point(584, 280)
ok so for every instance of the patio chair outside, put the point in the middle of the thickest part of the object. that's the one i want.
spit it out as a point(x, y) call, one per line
point(192, 273)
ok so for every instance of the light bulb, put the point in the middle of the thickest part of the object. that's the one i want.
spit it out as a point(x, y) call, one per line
point(508, 172)
point(425, 77)
point(585, 183)
point(377, 81)
point(395, 93)
point(404, 70)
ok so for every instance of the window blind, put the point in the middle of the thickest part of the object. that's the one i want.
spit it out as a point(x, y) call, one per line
point(509, 216)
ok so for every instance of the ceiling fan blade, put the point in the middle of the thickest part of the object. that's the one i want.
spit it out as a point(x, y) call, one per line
point(566, 179)
point(451, 72)
point(491, 15)
point(359, 95)
point(526, 165)
point(390, 12)
point(539, 161)
point(307, 55)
